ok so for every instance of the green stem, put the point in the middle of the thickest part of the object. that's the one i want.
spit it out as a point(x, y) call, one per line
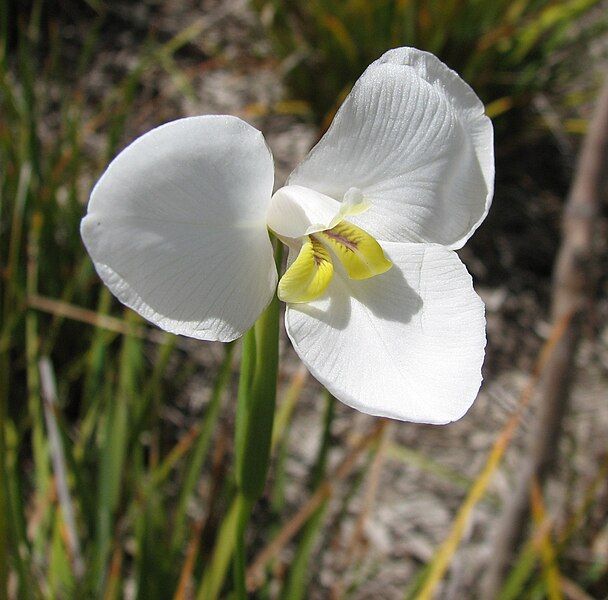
point(244, 508)
point(255, 413)
point(257, 435)
point(254, 421)
point(243, 404)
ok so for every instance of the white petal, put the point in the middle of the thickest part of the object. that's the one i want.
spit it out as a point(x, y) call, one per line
point(413, 137)
point(296, 211)
point(176, 227)
point(408, 344)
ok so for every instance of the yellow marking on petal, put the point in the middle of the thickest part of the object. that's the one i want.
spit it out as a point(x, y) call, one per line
point(309, 275)
point(361, 255)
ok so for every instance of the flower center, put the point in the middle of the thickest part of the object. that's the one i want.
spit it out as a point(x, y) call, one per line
point(311, 272)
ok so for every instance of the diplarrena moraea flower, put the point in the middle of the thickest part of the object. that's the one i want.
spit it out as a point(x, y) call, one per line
point(379, 306)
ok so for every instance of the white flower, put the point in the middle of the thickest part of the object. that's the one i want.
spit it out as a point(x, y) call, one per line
point(379, 306)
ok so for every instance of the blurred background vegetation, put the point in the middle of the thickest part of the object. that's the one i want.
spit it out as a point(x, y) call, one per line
point(115, 439)
point(505, 50)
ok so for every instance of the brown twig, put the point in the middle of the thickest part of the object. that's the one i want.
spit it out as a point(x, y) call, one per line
point(574, 278)
point(84, 315)
point(185, 578)
point(112, 589)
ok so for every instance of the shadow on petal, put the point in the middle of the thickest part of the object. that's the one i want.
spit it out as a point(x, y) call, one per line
point(333, 308)
point(388, 296)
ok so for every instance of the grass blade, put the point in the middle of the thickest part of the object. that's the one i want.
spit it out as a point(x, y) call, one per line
point(49, 395)
point(297, 580)
point(215, 573)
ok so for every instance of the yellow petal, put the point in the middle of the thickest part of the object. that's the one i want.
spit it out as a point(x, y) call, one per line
point(309, 275)
point(358, 251)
